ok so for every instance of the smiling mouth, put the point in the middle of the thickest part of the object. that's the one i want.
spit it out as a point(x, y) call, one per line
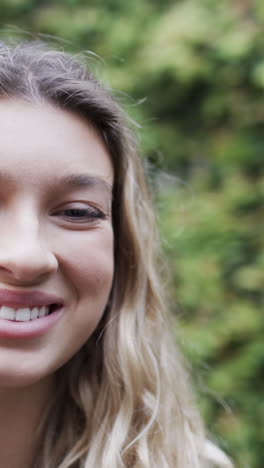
point(26, 314)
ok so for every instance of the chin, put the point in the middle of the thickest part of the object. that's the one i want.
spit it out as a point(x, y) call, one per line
point(23, 379)
point(24, 371)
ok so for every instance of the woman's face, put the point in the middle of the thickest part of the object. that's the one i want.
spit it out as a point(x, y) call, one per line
point(56, 238)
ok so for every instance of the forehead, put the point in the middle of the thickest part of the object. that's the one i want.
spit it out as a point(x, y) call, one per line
point(41, 140)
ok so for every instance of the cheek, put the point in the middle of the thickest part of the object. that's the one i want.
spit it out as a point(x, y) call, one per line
point(86, 271)
point(88, 264)
point(93, 274)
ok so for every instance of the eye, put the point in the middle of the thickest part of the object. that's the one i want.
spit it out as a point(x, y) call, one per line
point(81, 214)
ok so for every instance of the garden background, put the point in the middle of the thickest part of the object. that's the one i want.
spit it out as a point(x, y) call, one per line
point(191, 74)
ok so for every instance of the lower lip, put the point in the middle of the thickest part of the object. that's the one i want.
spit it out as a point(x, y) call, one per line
point(30, 329)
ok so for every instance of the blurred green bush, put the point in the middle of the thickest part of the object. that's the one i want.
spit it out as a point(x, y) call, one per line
point(192, 74)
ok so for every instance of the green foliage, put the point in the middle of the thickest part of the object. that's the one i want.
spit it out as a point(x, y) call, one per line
point(198, 69)
point(215, 245)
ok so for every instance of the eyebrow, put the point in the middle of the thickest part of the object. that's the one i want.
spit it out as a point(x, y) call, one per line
point(69, 181)
point(83, 180)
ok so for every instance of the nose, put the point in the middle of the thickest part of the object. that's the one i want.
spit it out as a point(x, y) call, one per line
point(24, 255)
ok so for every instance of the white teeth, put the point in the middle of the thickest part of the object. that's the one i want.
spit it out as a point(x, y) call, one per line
point(34, 313)
point(7, 313)
point(42, 311)
point(23, 314)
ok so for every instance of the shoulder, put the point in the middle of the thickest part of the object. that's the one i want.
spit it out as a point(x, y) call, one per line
point(215, 457)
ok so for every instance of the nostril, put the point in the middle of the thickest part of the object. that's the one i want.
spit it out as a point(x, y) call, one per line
point(4, 269)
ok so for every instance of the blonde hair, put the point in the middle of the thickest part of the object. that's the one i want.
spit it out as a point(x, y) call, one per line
point(123, 401)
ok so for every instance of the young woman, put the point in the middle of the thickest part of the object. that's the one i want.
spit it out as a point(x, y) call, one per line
point(89, 375)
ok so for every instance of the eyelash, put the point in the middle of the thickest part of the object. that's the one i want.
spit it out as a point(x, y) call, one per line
point(89, 214)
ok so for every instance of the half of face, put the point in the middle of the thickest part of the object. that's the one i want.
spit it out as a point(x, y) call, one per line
point(56, 237)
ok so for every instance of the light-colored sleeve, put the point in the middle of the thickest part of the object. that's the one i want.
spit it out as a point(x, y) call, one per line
point(215, 457)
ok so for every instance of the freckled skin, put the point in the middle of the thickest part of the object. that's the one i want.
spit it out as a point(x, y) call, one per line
point(42, 249)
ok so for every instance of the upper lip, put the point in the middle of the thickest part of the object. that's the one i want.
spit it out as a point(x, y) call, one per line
point(28, 299)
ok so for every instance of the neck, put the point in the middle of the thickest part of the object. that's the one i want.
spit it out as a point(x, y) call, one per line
point(21, 412)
